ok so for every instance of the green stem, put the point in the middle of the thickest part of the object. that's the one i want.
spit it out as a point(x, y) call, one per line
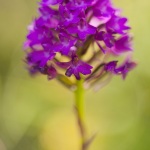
point(79, 101)
point(79, 98)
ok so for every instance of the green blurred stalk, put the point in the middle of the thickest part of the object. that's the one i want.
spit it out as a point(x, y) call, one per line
point(79, 102)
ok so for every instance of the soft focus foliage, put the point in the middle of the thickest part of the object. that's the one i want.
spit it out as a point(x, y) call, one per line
point(36, 114)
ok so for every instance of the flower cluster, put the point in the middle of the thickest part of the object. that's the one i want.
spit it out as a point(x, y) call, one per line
point(74, 37)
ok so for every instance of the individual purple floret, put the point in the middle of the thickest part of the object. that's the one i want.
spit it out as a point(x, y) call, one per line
point(103, 8)
point(111, 66)
point(107, 38)
point(40, 57)
point(83, 29)
point(127, 66)
point(48, 18)
point(62, 40)
point(122, 45)
point(77, 66)
point(51, 2)
point(123, 69)
point(68, 16)
point(117, 24)
point(78, 4)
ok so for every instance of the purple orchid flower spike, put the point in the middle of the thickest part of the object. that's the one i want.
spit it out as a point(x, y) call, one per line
point(62, 35)
point(72, 41)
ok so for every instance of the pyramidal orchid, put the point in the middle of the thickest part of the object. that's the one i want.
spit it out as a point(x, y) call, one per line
point(79, 43)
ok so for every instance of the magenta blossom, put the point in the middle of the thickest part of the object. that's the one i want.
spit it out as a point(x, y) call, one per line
point(69, 37)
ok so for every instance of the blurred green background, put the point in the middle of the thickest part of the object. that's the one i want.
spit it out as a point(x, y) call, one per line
point(36, 114)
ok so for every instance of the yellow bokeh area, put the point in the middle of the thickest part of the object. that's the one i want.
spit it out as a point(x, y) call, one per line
point(37, 114)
